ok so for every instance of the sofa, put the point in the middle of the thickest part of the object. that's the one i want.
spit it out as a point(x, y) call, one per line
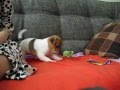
point(76, 22)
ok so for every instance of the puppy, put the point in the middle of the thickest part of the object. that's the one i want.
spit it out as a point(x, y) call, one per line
point(46, 49)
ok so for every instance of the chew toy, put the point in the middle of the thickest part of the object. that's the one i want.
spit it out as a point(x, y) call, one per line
point(68, 53)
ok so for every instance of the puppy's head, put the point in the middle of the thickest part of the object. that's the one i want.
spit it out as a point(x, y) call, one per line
point(54, 43)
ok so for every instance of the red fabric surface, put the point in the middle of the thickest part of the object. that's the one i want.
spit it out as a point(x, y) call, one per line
point(68, 74)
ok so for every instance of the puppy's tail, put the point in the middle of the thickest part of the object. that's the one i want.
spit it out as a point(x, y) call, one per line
point(20, 34)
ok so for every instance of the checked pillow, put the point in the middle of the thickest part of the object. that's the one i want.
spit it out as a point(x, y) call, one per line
point(106, 43)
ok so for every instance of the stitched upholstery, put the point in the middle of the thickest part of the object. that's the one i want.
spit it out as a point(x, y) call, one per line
point(76, 21)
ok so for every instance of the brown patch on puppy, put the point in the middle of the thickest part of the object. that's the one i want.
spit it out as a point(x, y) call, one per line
point(31, 47)
point(54, 43)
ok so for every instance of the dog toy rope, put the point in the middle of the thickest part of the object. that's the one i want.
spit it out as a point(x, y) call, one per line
point(98, 63)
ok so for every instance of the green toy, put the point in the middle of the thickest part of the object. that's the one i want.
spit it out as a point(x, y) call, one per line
point(68, 53)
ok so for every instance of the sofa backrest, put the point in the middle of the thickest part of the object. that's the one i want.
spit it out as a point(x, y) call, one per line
point(75, 21)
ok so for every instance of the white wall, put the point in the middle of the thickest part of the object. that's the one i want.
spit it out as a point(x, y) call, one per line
point(111, 0)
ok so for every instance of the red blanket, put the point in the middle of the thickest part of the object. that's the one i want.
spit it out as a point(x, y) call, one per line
point(68, 74)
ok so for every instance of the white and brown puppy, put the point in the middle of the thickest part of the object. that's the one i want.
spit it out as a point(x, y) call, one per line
point(46, 49)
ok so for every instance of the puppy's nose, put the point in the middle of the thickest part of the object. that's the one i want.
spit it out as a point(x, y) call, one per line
point(57, 52)
point(54, 52)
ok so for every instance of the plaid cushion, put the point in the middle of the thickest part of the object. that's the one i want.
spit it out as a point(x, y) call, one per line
point(106, 43)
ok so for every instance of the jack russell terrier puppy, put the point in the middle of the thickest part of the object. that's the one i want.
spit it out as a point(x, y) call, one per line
point(46, 49)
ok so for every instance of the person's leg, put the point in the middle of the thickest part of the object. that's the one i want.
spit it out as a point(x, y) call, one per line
point(6, 10)
point(5, 65)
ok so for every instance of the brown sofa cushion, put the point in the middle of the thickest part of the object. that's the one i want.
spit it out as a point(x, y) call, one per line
point(106, 43)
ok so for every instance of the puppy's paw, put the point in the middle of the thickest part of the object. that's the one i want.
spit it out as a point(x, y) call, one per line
point(56, 57)
point(46, 59)
point(49, 61)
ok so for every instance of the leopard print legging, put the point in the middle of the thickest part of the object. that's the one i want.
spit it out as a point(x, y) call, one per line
point(10, 48)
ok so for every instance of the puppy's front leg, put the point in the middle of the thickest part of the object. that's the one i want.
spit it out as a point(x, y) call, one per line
point(56, 57)
point(42, 57)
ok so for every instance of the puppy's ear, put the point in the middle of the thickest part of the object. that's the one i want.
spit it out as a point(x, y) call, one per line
point(52, 40)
